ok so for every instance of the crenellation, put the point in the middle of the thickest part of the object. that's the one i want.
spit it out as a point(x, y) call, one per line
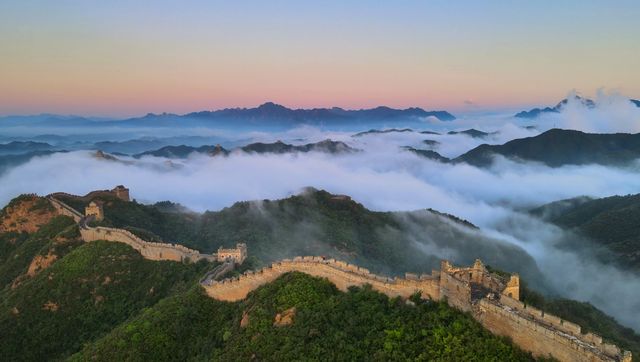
point(593, 338)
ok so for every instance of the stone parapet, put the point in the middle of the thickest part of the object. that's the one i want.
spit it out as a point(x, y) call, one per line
point(342, 274)
point(149, 250)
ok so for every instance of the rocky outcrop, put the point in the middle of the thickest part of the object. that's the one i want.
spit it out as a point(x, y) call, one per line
point(285, 318)
point(26, 214)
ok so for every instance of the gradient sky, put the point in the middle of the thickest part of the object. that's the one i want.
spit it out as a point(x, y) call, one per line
point(119, 58)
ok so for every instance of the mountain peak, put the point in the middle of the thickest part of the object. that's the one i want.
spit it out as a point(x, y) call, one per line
point(272, 106)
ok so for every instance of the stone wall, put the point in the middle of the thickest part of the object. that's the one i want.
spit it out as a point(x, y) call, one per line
point(341, 274)
point(456, 291)
point(149, 250)
point(119, 191)
point(64, 209)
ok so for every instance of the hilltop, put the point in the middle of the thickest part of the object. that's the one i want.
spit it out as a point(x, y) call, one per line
point(474, 133)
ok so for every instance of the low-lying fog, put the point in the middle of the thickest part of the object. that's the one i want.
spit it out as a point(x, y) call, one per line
point(384, 177)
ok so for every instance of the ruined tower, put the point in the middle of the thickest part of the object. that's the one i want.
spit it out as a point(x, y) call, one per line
point(121, 192)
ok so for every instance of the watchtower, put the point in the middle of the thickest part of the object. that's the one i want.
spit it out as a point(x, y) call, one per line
point(94, 209)
point(239, 254)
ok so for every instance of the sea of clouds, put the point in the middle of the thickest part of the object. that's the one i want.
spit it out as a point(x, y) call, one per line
point(385, 177)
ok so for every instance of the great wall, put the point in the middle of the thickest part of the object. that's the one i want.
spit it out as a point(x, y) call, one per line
point(491, 299)
point(149, 250)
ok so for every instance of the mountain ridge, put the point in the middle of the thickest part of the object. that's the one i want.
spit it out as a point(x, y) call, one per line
point(278, 147)
point(559, 147)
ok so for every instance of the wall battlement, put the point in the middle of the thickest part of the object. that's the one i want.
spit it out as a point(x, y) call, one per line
point(343, 275)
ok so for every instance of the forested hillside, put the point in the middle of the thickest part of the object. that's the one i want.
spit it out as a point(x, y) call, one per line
point(57, 293)
point(612, 222)
point(301, 317)
point(316, 222)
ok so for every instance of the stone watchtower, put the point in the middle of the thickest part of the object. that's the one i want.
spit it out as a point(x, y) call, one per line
point(94, 209)
point(121, 192)
point(513, 287)
point(238, 255)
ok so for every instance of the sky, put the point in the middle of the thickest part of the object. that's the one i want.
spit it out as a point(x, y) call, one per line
point(124, 58)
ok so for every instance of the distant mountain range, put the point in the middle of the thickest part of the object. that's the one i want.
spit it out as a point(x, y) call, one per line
point(326, 146)
point(383, 131)
point(12, 160)
point(19, 147)
point(271, 114)
point(468, 132)
point(265, 113)
point(271, 110)
point(535, 112)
